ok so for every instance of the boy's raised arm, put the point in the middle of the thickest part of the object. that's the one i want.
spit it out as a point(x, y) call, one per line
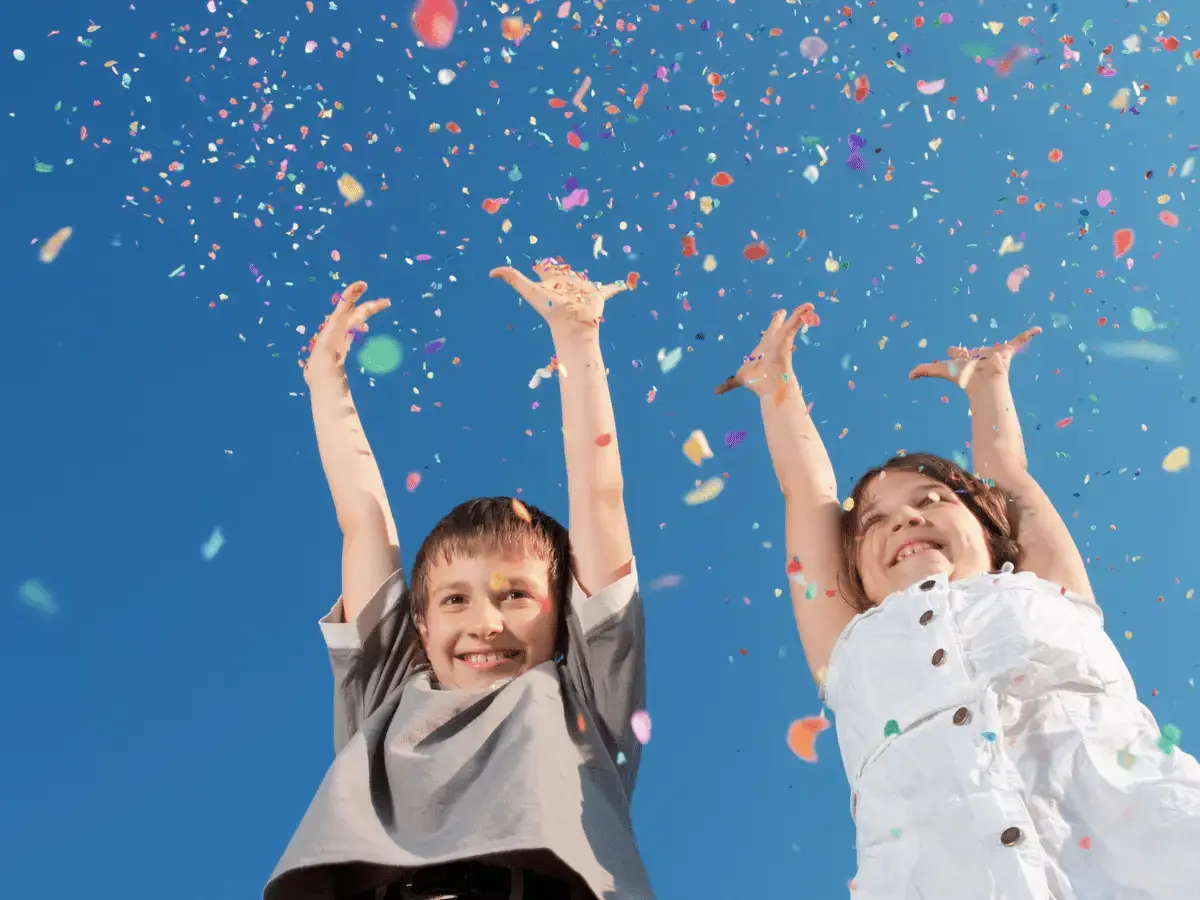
point(370, 546)
point(573, 307)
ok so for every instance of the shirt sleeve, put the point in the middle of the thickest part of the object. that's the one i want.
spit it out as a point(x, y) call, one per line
point(371, 656)
point(607, 660)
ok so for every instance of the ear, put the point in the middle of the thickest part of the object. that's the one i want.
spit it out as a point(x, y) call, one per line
point(422, 630)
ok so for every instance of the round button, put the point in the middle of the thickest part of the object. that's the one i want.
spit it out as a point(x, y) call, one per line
point(928, 585)
point(926, 617)
point(1010, 837)
point(962, 716)
point(939, 657)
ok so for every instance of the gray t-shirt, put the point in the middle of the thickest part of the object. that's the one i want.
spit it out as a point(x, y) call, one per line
point(541, 763)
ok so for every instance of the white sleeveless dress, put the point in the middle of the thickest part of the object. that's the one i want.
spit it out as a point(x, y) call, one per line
point(996, 750)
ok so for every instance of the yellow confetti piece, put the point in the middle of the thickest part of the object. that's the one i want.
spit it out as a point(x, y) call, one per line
point(1177, 460)
point(1008, 245)
point(51, 248)
point(696, 447)
point(709, 490)
point(520, 511)
point(349, 188)
point(993, 27)
point(710, 263)
point(848, 504)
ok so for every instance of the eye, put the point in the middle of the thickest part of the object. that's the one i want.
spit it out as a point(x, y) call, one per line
point(453, 600)
point(517, 595)
point(869, 521)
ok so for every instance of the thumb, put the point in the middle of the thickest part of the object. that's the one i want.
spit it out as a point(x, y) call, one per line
point(929, 370)
point(796, 319)
point(514, 278)
point(611, 290)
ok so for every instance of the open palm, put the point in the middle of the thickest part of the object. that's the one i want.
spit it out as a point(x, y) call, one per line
point(963, 366)
point(566, 299)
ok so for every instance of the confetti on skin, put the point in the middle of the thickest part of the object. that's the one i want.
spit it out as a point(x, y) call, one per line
point(640, 721)
point(705, 492)
point(696, 448)
point(1177, 460)
point(210, 548)
point(802, 736)
point(34, 594)
point(49, 251)
point(603, 440)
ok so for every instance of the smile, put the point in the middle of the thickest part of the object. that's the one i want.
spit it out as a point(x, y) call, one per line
point(489, 660)
point(912, 548)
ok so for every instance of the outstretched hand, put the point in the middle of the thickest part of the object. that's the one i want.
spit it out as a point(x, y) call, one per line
point(331, 343)
point(567, 300)
point(767, 369)
point(963, 366)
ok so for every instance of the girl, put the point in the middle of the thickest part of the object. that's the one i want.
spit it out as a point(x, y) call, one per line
point(991, 734)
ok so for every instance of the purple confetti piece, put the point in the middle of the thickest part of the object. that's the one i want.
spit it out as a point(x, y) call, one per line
point(856, 162)
point(570, 184)
point(856, 141)
point(733, 438)
point(435, 346)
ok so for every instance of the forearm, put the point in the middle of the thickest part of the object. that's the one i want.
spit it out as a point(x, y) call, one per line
point(598, 525)
point(997, 447)
point(350, 468)
point(813, 524)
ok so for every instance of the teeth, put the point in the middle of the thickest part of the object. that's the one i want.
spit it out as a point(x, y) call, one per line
point(914, 549)
point(488, 657)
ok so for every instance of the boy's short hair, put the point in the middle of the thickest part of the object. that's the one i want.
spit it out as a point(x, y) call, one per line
point(494, 525)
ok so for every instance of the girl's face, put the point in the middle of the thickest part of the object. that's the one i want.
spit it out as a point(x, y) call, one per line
point(911, 527)
point(488, 617)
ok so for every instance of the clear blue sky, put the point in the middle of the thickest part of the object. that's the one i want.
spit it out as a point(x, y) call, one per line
point(168, 718)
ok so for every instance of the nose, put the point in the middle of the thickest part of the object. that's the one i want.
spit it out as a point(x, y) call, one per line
point(911, 519)
point(487, 620)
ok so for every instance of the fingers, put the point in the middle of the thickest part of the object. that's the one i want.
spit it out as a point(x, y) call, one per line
point(798, 317)
point(351, 294)
point(364, 311)
point(731, 383)
point(1025, 337)
point(930, 370)
point(513, 278)
point(611, 290)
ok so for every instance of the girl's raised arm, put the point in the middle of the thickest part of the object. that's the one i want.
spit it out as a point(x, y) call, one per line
point(998, 451)
point(809, 487)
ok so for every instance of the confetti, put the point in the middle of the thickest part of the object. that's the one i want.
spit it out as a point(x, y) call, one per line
point(54, 244)
point(19, 55)
point(210, 548)
point(802, 736)
point(705, 492)
point(640, 721)
point(380, 355)
point(696, 448)
point(434, 21)
point(38, 597)
point(1177, 460)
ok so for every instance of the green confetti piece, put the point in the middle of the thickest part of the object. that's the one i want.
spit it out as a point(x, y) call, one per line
point(380, 355)
point(978, 48)
point(892, 727)
point(42, 167)
point(1142, 319)
point(38, 597)
point(1169, 739)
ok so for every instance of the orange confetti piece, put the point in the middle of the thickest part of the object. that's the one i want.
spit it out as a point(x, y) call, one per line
point(862, 87)
point(1123, 241)
point(574, 140)
point(689, 245)
point(603, 440)
point(521, 512)
point(802, 736)
point(1055, 155)
point(412, 480)
point(722, 179)
point(631, 280)
point(1168, 218)
point(754, 251)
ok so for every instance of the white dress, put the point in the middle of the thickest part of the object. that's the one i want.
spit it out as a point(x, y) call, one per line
point(996, 750)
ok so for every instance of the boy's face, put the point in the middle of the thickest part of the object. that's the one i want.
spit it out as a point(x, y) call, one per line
point(487, 617)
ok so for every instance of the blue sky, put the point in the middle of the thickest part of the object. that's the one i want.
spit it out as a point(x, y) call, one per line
point(169, 713)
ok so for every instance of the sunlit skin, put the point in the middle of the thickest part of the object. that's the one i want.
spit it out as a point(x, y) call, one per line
point(495, 605)
point(907, 509)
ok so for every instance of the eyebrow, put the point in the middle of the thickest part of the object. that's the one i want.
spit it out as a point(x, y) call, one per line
point(463, 586)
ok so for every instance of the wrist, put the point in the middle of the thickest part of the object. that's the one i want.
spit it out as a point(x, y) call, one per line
point(572, 343)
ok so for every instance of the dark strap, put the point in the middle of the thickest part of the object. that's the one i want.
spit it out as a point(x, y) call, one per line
point(475, 881)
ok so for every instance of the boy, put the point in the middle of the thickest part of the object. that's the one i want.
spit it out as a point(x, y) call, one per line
point(482, 716)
